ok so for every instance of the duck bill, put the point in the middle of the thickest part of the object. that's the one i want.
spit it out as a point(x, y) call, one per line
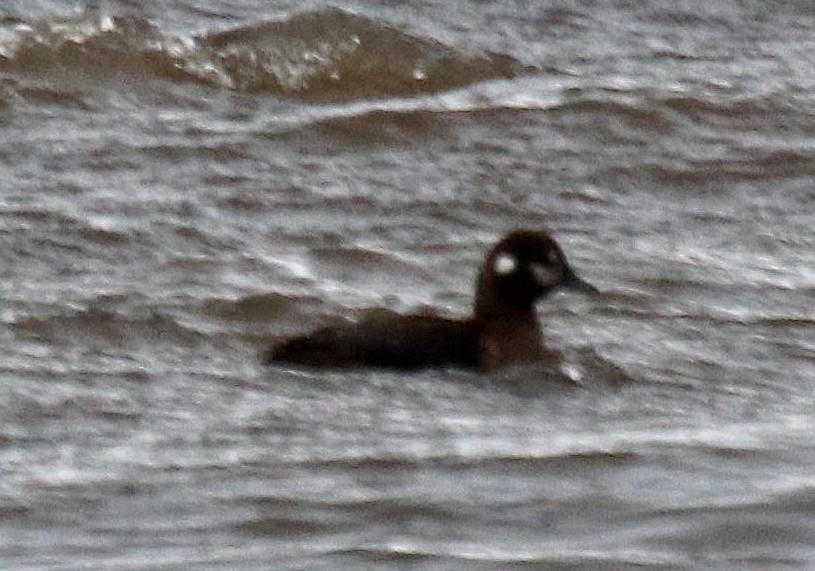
point(575, 283)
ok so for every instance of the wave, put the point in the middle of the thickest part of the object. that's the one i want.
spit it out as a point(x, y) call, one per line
point(103, 328)
point(327, 54)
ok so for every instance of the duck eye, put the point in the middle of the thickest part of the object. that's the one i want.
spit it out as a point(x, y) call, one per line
point(504, 264)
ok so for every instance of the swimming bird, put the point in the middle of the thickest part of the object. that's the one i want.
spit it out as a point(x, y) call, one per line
point(524, 267)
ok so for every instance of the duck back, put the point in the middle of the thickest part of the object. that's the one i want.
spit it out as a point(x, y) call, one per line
point(397, 342)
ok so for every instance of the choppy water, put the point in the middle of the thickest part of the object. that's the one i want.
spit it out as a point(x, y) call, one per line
point(184, 182)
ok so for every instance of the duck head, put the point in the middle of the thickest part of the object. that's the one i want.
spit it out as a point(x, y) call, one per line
point(522, 268)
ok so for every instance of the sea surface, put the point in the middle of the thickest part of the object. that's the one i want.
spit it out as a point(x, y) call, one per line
point(183, 183)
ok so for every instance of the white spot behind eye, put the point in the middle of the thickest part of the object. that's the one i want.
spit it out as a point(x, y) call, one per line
point(504, 264)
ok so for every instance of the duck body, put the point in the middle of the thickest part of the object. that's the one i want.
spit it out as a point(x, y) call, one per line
point(519, 270)
point(391, 342)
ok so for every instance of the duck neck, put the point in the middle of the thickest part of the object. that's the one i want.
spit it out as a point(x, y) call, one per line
point(507, 334)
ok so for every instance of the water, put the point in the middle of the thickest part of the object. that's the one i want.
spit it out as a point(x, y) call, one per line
point(183, 183)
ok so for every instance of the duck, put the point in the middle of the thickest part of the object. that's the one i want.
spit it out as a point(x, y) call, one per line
point(521, 269)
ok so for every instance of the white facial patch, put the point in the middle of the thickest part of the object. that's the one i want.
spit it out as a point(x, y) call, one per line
point(544, 275)
point(504, 264)
point(552, 256)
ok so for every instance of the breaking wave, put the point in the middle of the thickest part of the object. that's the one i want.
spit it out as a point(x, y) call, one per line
point(328, 54)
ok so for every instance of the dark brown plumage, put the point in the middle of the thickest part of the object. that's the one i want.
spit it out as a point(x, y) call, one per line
point(519, 270)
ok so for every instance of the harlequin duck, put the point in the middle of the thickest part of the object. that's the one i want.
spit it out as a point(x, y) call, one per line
point(520, 269)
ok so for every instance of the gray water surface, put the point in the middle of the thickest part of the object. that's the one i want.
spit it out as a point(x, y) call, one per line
point(185, 183)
